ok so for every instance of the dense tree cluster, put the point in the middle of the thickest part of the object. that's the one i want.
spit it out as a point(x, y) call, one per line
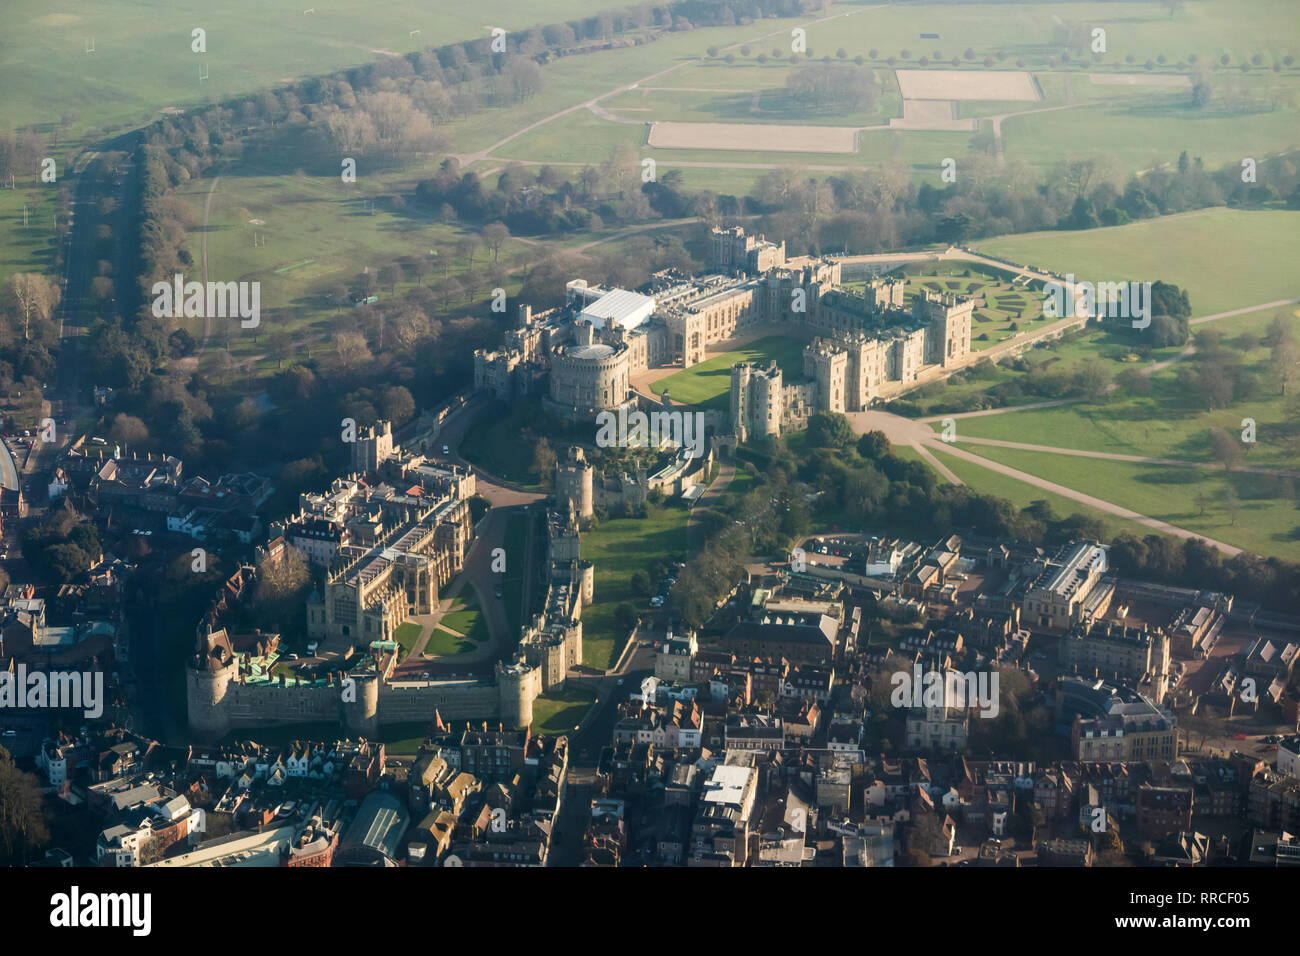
point(883, 208)
point(62, 547)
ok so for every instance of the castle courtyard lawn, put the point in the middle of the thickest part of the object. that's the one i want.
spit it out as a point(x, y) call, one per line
point(443, 643)
point(708, 384)
point(406, 635)
point(466, 618)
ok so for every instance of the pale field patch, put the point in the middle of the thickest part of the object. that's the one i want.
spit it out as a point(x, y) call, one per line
point(762, 137)
point(967, 85)
point(1139, 79)
point(932, 115)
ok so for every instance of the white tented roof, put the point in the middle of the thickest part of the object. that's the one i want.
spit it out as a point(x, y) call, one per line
point(619, 307)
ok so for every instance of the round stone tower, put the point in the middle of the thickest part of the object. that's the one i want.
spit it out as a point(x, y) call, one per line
point(206, 685)
point(517, 684)
point(361, 716)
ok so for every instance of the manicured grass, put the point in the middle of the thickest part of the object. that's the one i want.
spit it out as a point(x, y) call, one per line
point(313, 217)
point(1265, 524)
point(1226, 259)
point(1162, 425)
point(557, 712)
point(466, 618)
point(30, 247)
point(443, 643)
point(1021, 494)
point(512, 589)
point(406, 635)
point(708, 384)
point(1144, 30)
point(1138, 134)
point(619, 547)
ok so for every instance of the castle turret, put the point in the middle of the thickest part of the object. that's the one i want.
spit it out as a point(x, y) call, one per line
point(518, 684)
point(207, 683)
point(360, 706)
point(574, 483)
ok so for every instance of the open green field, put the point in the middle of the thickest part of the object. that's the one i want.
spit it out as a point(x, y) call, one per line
point(708, 384)
point(557, 712)
point(1192, 498)
point(303, 235)
point(1144, 30)
point(1226, 259)
point(620, 547)
point(142, 60)
point(1022, 495)
point(28, 247)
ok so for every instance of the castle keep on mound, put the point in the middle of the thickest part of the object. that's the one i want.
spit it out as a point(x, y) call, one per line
point(865, 346)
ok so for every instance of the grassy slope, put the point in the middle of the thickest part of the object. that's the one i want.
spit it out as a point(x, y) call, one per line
point(620, 547)
point(1226, 259)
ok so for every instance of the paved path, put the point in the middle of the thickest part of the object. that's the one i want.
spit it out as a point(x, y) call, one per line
point(1089, 500)
point(947, 473)
point(207, 210)
point(1115, 456)
point(1249, 308)
point(718, 488)
point(913, 433)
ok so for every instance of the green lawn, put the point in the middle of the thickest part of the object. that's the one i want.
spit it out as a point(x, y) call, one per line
point(1265, 524)
point(27, 247)
point(443, 643)
point(1226, 259)
point(512, 589)
point(619, 547)
point(466, 618)
point(406, 635)
point(708, 384)
point(1162, 425)
point(559, 711)
point(1021, 494)
point(142, 60)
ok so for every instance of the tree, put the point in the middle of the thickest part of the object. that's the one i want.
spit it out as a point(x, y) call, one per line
point(390, 274)
point(494, 236)
point(640, 583)
point(1226, 448)
point(35, 298)
point(352, 349)
point(280, 346)
point(543, 461)
point(874, 445)
point(127, 430)
point(398, 405)
point(282, 583)
point(829, 430)
point(22, 821)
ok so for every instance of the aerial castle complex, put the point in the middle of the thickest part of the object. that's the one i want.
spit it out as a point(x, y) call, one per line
point(387, 554)
point(863, 345)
